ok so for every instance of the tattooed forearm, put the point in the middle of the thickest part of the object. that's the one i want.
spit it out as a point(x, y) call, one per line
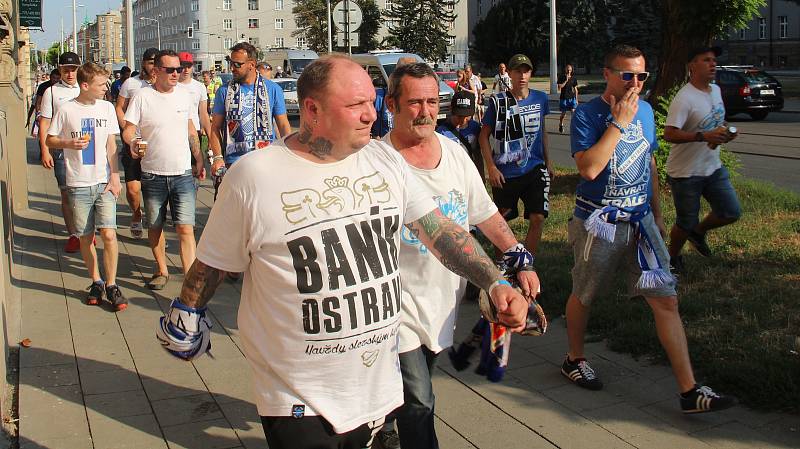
point(194, 145)
point(319, 146)
point(455, 248)
point(200, 284)
point(497, 231)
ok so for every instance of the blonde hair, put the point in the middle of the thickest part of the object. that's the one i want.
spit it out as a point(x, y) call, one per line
point(90, 70)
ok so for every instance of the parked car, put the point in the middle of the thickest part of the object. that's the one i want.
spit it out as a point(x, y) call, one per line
point(380, 65)
point(289, 86)
point(450, 78)
point(746, 89)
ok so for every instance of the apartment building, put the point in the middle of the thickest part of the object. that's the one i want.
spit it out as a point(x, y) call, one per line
point(771, 39)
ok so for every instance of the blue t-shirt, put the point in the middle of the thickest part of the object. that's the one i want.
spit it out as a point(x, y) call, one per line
point(532, 112)
point(469, 132)
point(626, 180)
point(115, 86)
point(383, 124)
point(242, 133)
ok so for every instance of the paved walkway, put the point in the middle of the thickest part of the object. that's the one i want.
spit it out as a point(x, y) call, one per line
point(95, 379)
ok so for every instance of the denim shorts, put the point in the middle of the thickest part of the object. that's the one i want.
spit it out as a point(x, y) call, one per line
point(716, 188)
point(92, 208)
point(599, 262)
point(179, 191)
point(567, 104)
point(59, 168)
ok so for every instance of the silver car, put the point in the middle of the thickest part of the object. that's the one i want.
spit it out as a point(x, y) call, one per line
point(289, 86)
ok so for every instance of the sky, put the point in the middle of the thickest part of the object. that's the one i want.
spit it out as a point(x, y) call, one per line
point(54, 10)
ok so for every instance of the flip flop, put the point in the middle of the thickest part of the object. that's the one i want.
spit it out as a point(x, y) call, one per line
point(157, 282)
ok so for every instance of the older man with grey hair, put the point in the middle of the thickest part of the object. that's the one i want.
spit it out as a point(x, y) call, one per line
point(318, 239)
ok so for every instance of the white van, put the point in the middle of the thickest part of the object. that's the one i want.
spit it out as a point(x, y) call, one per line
point(292, 62)
point(379, 65)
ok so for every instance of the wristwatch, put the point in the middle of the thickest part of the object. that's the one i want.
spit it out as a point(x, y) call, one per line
point(699, 137)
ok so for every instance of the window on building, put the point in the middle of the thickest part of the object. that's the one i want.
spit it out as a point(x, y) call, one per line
point(278, 4)
point(196, 24)
point(196, 45)
point(301, 42)
point(743, 34)
point(762, 27)
point(782, 60)
point(389, 4)
point(279, 42)
point(253, 41)
point(252, 23)
point(252, 5)
point(227, 5)
point(783, 27)
point(227, 24)
point(278, 24)
point(227, 42)
point(195, 5)
point(451, 41)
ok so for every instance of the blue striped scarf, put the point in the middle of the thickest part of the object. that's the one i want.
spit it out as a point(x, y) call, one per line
point(261, 113)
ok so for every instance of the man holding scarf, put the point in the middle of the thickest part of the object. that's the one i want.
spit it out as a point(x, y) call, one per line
point(244, 110)
point(618, 227)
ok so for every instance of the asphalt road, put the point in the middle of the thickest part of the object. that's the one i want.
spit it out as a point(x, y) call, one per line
point(769, 149)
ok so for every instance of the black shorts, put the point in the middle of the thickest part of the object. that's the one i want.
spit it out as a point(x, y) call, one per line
point(315, 432)
point(132, 167)
point(533, 188)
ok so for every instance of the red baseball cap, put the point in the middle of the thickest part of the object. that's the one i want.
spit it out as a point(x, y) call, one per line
point(185, 56)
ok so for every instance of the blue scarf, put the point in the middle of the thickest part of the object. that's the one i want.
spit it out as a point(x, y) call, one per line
point(261, 113)
point(602, 223)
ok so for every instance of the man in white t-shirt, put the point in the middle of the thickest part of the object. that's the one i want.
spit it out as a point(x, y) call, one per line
point(86, 128)
point(502, 81)
point(318, 243)
point(430, 290)
point(160, 117)
point(696, 128)
point(197, 92)
point(132, 167)
point(476, 82)
point(55, 96)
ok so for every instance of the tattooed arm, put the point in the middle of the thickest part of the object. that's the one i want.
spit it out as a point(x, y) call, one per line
point(200, 284)
point(199, 169)
point(460, 253)
point(497, 231)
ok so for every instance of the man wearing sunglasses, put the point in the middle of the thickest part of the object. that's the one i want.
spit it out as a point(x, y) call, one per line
point(696, 127)
point(617, 225)
point(132, 167)
point(160, 116)
point(197, 92)
point(244, 111)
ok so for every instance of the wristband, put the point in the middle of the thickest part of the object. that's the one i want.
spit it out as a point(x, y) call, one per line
point(497, 283)
point(617, 125)
point(699, 137)
point(217, 157)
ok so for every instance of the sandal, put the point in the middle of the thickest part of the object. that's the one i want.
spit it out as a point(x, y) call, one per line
point(158, 282)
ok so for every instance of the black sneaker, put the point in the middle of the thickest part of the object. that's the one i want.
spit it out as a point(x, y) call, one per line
point(699, 242)
point(580, 373)
point(676, 265)
point(389, 439)
point(97, 293)
point(561, 129)
point(702, 399)
point(116, 298)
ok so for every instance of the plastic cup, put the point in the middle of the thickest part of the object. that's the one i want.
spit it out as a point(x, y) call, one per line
point(142, 148)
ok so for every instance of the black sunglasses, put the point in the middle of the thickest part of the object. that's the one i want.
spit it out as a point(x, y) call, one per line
point(235, 64)
point(628, 76)
point(171, 70)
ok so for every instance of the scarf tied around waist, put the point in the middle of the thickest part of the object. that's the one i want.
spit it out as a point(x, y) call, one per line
point(602, 223)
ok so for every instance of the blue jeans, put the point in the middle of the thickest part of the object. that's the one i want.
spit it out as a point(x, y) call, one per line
point(716, 188)
point(59, 168)
point(92, 209)
point(176, 190)
point(415, 416)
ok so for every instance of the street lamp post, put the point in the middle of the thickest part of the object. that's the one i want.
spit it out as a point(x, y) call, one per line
point(553, 50)
point(158, 28)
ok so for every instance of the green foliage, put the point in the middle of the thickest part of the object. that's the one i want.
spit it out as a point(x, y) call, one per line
point(421, 27)
point(638, 23)
point(510, 27)
point(660, 109)
point(310, 19)
point(52, 54)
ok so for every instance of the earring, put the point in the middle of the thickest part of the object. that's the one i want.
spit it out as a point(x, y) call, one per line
point(315, 121)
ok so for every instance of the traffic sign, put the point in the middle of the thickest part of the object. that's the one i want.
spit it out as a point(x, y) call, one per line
point(347, 11)
point(341, 41)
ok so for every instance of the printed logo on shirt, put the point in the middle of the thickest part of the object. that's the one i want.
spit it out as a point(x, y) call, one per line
point(629, 169)
point(454, 208)
point(346, 268)
point(298, 411)
point(713, 119)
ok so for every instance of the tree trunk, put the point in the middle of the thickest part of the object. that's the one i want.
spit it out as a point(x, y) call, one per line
point(676, 41)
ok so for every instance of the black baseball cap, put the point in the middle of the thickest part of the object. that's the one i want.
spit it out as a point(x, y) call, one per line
point(518, 60)
point(69, 58)
point(700, 50)
point(150, 54)
point(463, 104)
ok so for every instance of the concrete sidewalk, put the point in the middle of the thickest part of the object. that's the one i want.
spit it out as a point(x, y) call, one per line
point(95, 379)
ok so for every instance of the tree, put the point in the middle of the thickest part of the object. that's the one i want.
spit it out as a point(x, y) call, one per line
point(510, 27)
point(638, 23)
point(421, 27)
point(311, 23)
point(52, 54)
point(693, 23)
